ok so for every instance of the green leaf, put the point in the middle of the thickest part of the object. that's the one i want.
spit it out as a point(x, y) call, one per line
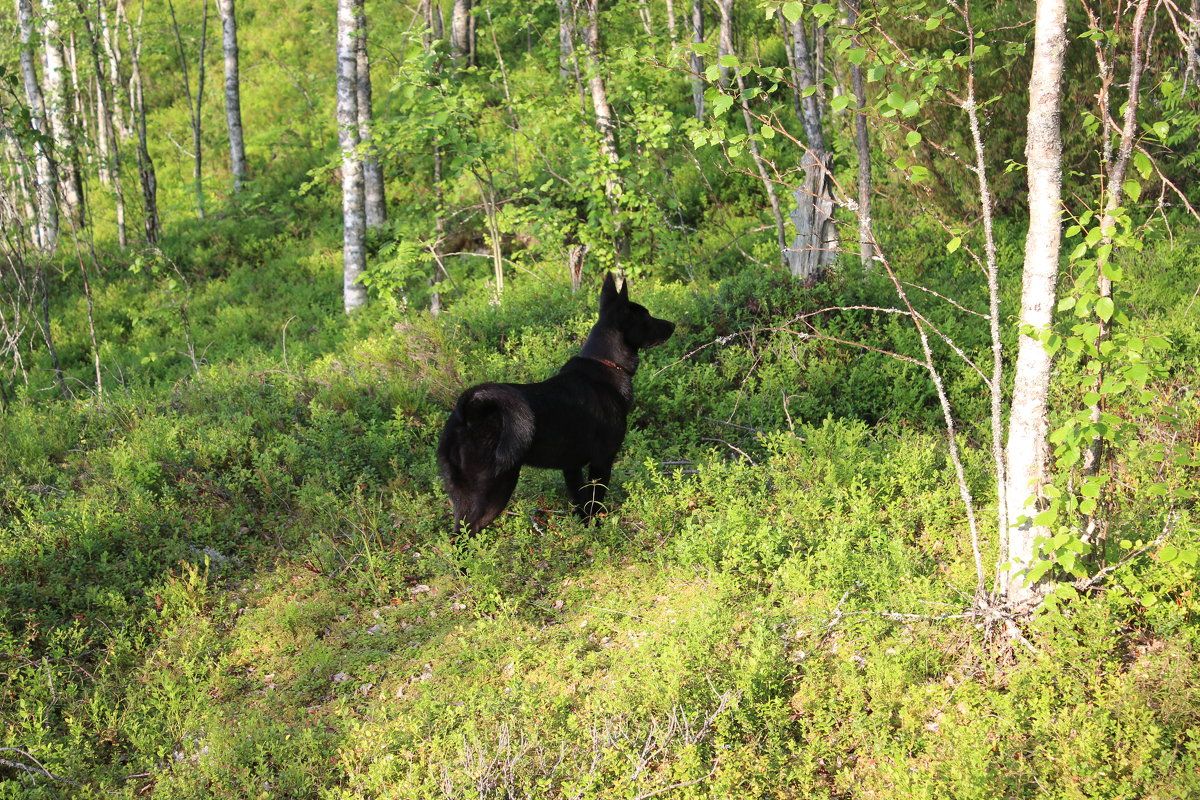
point(1161, 129)
point(1133, 189)
point(1066, 304)
point(1087, 506)
point(1104, 308)
point(721, 104)
point(729, 60)
point(1141, 162)
point(932, 23)
point(913, 138)
point(1090, 488)
point(793, 11)
point(856, 55)
point(1113, 272)
point(954, 244)
point(840, 102)
point(911, 108)
point(1168, 554)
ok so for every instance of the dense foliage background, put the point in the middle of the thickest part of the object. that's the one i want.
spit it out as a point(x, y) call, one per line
point(227, 570)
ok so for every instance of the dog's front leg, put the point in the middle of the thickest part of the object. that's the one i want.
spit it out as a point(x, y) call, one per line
point(592, 493)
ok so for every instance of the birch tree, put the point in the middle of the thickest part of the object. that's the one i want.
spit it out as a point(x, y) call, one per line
point(233, 100)
point(137, 101)
point(462, 45)
point(107, 139)
point(605, 123)
point(45, 231)
point(373, 192)
point(1027, 453)
point(354, 294)
point(194, 101)
point(862, 146)
point(697, 24)
point(58, 113)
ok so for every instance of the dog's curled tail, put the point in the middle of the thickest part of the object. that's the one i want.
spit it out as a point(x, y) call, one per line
point(495, 424)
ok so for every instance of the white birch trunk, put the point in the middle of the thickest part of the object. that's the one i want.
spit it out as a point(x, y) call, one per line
point(233, 98)
point(111, 42)
point(373, 190)
point(460, 31)
point(672, 27)
point(354, 294)
point(45, 232)
point(724, 39)
point(1028, 450)
point(697, 61)
point(58, 112)
point(862, 145)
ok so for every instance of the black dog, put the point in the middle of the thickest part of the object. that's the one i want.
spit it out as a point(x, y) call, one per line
point(573, 420)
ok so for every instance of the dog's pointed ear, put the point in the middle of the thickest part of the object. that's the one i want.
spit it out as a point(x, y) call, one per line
point(609, 292)
point(624, 289)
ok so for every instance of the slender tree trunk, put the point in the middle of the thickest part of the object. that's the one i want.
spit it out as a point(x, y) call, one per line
point(1115, 191)
point(461, 45)
point(58, 112)
point(1028, 450)
point(374, 198)
point(601, 107)
point(194, 103)
point(233, 98)
point(45, 233)
point(566, 41)
point(672, 26)
point(726, 38)
point(111, 42)
point(697, 61)
point(862, 145)
point(354, 294)
point(810, 101)
point(110, 152)
point(146, 173)
point(647, 20)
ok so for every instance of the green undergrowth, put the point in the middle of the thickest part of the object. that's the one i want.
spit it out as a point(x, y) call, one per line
point(234, 577)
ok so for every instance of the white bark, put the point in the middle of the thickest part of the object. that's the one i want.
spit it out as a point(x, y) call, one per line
point(58, 112)
point(111, 43)
point(233, 98)
point(1028, 450)
point(45, 232)
point(461, 45)
point(600, 104)
point(724, 39)
point(806, 76)
point(672, 27)
point(862, 146)
point(110, 151)
point(354, 294)
point(697, 61)
point(373, 192)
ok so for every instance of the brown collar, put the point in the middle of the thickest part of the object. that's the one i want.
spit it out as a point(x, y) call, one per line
point(608, 363)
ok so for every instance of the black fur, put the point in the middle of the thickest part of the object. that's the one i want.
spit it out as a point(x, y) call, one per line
point(575, 419)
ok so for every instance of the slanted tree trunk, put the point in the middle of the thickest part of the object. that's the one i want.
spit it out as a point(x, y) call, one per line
point(45, 232)
point(1027, 452)
point(58, 112)
point(233, 97)
point(862, 144)
point(726, 38)
point(604, 116)
point(354, 294)
point(697, 61)
point(146, 174)
point(373, 197)
point(194, 103)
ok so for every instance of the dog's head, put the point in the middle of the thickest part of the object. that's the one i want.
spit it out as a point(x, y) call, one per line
point(638, 328)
